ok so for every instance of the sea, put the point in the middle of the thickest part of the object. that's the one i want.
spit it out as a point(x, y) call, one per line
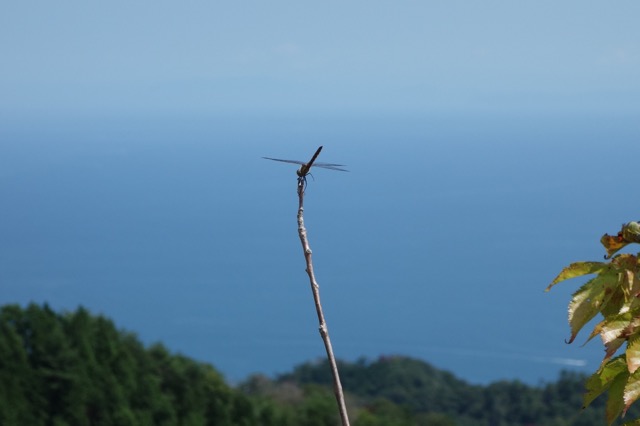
point(437, 244)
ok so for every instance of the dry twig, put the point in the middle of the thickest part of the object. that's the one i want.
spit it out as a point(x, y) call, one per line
point(315, 288)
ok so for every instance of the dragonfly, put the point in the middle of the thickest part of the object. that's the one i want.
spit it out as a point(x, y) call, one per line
point(303, 171)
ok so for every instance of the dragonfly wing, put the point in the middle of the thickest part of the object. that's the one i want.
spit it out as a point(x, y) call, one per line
point(321, 164)
point(330, 167)
point(285, 161)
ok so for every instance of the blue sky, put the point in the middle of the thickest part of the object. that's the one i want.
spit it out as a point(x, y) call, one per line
point(401, 57)
point(488, 145)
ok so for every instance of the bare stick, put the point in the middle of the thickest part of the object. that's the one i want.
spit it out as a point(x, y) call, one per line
point(315, 288)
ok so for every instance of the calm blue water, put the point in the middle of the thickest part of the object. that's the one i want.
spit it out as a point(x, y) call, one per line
point(438, 244)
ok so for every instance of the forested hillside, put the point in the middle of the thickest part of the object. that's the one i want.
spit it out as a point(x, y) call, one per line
point(75, 368)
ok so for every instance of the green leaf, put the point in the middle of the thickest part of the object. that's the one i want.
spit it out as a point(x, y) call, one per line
point(634, 284)
point(615, 301)
point(578, 269)
point(631, 232)
point(631, 390)
point(585, 304)
point(602, 379)
point(633, 353)
point(611, 348)
point(615, 402)
point(595, 332)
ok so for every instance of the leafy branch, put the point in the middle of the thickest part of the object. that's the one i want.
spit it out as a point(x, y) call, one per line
point(614, 293)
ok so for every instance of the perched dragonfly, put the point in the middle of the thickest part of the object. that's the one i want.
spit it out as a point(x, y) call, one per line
point(303, 171)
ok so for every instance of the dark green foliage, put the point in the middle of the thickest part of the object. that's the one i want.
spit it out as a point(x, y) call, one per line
point(77, 369)
point(403, 391)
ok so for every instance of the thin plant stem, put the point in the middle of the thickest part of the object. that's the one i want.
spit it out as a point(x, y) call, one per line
point(315, 288)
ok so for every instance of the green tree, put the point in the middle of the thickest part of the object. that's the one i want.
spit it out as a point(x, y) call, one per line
point(383, 412)
point(77, 369)
point(17, 381)
point(318, 407)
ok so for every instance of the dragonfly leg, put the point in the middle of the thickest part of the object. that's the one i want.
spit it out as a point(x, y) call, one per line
point(302, 182)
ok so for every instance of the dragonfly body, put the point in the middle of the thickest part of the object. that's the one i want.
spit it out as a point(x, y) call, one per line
point(304, 169)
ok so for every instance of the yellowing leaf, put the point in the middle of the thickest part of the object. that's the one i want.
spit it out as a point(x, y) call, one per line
point(615, 294)
point(614, 327)
point(578, 269)
point(612, 244)
point(614, 333)
point(625, 261)
point(630, 233)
